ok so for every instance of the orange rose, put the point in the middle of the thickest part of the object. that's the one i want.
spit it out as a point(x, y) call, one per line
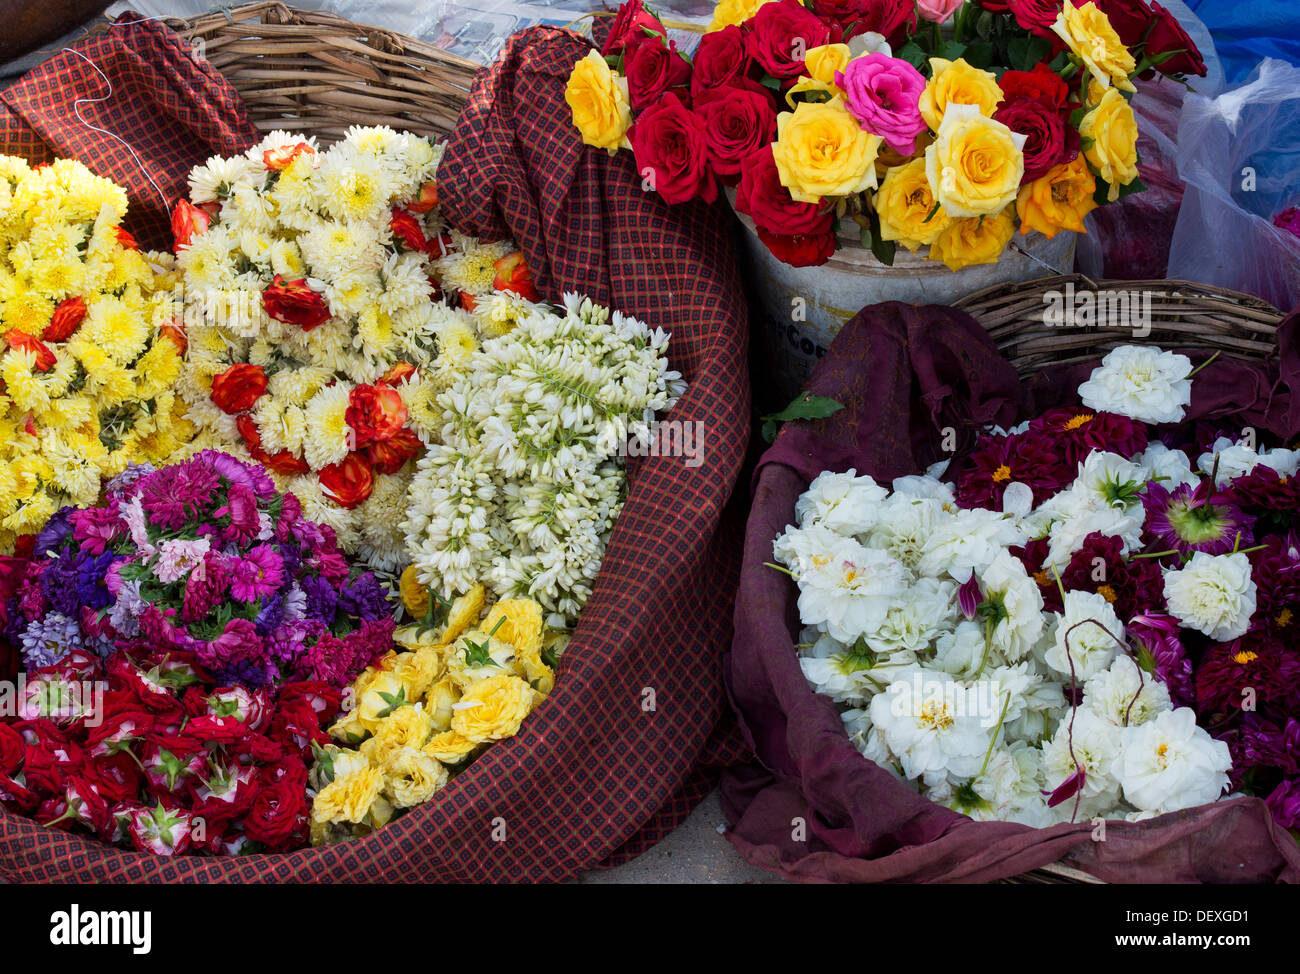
point(278, 159)
point(30, 343)
point(388, 456)
point(348, 482)
point(67, 318)
point(294, 303)
point(426, 200)
point(513, 275)
point(187, 221)
point(374, 413)
point(236, 389)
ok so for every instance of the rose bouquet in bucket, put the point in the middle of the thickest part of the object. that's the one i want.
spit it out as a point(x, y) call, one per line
point(1014, 117)
point(1066, 639)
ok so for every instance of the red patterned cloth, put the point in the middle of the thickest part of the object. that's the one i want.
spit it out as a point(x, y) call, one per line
point(172, 108)
point(632, 735)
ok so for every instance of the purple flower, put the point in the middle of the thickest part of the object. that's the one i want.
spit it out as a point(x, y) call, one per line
point(1259, 743)
point(56, 530)
point(365, 598)
point(48, 640)
point(95, 527)
point(322, 598)
point(236, 472)
point(1284, 801)
point(884, 94)
point(1196, 518)
point(257, 574)
point(116, 488)
point(271, 615)
point(126, 611)
point(239, 643)
point(1160, 652)
point(205, 589)
point(241, 509)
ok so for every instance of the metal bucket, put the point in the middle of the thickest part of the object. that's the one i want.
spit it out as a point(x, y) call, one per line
point(800, 310)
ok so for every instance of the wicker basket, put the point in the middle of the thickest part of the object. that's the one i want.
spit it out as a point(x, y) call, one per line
point(318, 73)
point(1181, 314)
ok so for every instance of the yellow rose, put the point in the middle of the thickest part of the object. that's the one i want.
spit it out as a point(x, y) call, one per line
point(449, 747)
point(821, 63)
point(821, 150)
point(1089, 35)
point(464, 612)
point(349, 729)
point(1110, 133)
point(1057, 200)
point(407, 727)
point(974, 240)
point(809, 84)
point(957, 83)
point(729, 12)
point(414, 595)
point(353, 797)
point(907, 208)
point(385, 696)
point(477, 656)
point(492, 709)
point(517, 622)
point(975, 164)
point(598, 99)
point(412, 777)
point(439, 700)
point(416, 670)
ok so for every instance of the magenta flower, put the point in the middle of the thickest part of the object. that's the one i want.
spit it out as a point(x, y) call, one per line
point(1284, 802)
point(241, 509)
point(1160, 652)
point(1199, 518)
point(1288, 220)
point(884, 94)
point(257, 574)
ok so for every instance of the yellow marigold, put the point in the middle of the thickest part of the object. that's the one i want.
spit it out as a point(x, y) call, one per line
point(1110, 133)
point(974, 240)
point(598, 99)
point(492, 709)
point(907, 209)
point(956, 82)
point(1091, 38)
point(1057, 200)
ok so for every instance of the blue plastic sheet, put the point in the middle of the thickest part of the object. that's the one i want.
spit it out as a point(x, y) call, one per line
point(1247, 31)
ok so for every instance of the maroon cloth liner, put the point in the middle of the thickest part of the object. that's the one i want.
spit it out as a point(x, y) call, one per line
point(602, 770)
point(904, 373)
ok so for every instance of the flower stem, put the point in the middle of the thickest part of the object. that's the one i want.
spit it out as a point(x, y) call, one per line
point(1203, 364)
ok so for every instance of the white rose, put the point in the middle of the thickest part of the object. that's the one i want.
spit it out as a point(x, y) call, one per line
point(1213, 594)
point(844, 502)
point(1092, 647)
point(1171, 468)
point(849, 590)
point(1141, 382)
point(1170, 763)
point(968, 541)
point(1235, 459)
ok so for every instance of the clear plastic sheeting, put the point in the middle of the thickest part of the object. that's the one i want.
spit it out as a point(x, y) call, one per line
point(1239, 155)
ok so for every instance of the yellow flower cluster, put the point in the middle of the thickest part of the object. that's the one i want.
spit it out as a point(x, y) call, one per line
point(425, 709)
point(89, 350)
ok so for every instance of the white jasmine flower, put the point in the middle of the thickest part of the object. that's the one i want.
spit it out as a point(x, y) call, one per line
point(1141, 382)
point(1125, 696)
point(843, 502)
point(1170, 763)
point(1091, 628)
point(1213, 594)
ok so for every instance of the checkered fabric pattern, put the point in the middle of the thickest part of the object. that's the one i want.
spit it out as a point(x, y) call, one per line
point(154, 113)
point(637, 726)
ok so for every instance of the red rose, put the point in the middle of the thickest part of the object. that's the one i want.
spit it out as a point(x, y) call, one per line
point(278, 816)
point(12, 750)
point(512, 275)
point(47, 766)
point(653, 68)
point(294, 303)
point(115, 777)
point(188, 220)
point(426, 199)
point(406, 228)
point(297, 725)
point(1047, 137)
point(1036, 16)
point(1042, 84)
point(278, 159)
point(1130, 18)
point(324, 699)
point(284, 463)
point(348, 482)
point(737, 123)
point(632, 23)
point(374, 413)
point(66, 319)
point(16, 797)
point(781, 34)
point(1168, 35)
point(994, 6)
point(895, 19)
point(388, 456)
point(672, 152)
point(30, 343)
point(721, 60)
point(769, 204)
point(236, 389)
point(800, 250)
point(211, 729)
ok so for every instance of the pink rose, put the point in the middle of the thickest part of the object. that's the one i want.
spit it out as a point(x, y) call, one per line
point(884, 93)
point(937, 11)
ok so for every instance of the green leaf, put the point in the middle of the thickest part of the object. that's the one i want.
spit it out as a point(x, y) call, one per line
point(1077, 116)
point(1102, 195)
point(883, 249)
point(911, 53)
point(767, 81)
point(979, 54)
point(1025, 52)
point(804, 406)
point(950, 51)
point(930, 216)
point(394, 701)
point(476, 654)
point(550, 657)
point(984, 24)
point(1059, 62)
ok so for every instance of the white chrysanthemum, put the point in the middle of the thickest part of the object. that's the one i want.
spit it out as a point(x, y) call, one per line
point(930, 722)
point(1213, 594)
point(1092, 630)
point(471, 267)
point(1093, 743)
point(382, 542)
point(1236, 459)
point(1170, 763)
point(916, 618)
point(1141, 382)
point(844, 502)
point(328, 437)
point(218, 178)
point(1125, 696)
point(905, 526)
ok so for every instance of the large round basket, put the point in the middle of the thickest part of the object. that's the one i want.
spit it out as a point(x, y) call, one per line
point(319, 73)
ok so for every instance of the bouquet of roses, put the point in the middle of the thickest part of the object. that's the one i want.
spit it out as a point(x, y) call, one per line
point(88, 349)
point(423, 712)
point(1014, 115)
point(1087, 621)
point(317, 331)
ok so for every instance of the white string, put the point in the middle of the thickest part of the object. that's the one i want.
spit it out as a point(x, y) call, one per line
point(1037, 260)
point(76, 110)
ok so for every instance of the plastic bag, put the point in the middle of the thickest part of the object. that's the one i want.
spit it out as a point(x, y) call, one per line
point(1239, 154)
